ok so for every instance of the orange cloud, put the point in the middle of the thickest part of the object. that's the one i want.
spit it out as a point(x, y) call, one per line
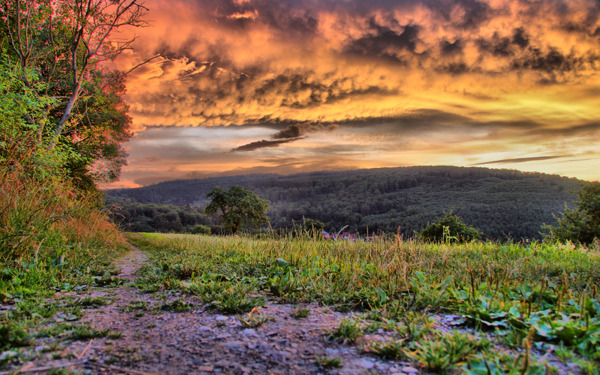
point(337, 70)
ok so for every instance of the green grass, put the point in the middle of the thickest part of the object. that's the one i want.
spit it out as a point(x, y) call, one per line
point(541, 293)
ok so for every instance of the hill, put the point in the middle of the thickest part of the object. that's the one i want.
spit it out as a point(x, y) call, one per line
point(501, 203)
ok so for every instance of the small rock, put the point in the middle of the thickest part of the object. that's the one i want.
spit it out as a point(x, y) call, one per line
point(249, 332)
point(223, 336)
point(235, 345)
point(272, 333)
point(409, 370)
point(365, 363)
point(221, 318)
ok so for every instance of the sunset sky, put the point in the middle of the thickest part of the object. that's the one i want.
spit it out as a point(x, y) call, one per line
point(287, 86)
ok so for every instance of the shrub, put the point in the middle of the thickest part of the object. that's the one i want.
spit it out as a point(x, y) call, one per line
point(582, 224)
point(449, 228)
point(201, 229)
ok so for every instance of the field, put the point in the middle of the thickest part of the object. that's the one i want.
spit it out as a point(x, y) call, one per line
point(477, 308)
point(304, 305)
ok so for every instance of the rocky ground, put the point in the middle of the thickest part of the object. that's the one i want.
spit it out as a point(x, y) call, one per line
point(144, 338)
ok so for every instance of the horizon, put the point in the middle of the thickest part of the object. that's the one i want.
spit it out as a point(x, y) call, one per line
point(226, 174)
point(245, 87)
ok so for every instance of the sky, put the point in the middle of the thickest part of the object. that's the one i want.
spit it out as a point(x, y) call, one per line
point(289, 86)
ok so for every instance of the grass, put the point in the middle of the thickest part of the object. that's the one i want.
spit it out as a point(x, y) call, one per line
point(516, 295)
point(329, 362)
point(53, 240)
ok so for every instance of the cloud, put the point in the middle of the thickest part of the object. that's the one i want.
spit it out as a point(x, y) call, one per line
point(522, 160)
point(420, 75)
point(297, 130)
point(264, 143)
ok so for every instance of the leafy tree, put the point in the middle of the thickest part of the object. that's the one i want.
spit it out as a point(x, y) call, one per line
point(581, 224)
point(60, 51)
point(239, 206)
point(449, 228)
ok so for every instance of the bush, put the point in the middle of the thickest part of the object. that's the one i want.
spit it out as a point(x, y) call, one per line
point(449, 228)
point(582, 224)
point(201, 229)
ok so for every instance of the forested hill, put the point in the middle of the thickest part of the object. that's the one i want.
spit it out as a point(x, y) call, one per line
point(502, 204)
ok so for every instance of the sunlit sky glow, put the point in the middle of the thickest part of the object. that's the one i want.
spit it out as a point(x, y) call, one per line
point(286, 86)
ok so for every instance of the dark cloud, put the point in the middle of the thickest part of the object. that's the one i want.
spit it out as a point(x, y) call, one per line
point(592, 128)
point(262, 144)
point(298, 130)
point(520, 38)
point(385, 43)
point(547, 61)
point(454, 68)
point(497, 46)
point(453, 48)
point(522, 160)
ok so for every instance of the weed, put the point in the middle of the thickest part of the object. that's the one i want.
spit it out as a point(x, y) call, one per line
point(55, 330)
point(177, 306)
point(254, 320)
point(329, 362)
point(392, 349)
point(13, 335)
point(85, 332)
point(348, 331)
point(441, 354)
point(136, 305)
point(107, 280)
point(236, 300)
point(93, 302)
point(300, 313)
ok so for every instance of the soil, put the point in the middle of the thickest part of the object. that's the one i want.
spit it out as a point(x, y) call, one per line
point(202, 341)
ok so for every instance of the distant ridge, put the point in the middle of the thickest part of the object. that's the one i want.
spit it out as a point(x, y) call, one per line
point(501, 203)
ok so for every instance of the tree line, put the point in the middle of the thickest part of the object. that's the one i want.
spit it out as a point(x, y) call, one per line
point(501, 204)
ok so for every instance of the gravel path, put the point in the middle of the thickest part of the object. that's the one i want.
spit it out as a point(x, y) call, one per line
point(204, 342)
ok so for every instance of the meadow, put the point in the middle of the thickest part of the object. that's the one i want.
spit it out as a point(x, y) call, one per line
point(511, 307)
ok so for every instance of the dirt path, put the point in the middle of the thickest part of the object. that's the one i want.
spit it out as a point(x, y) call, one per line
point(145, 339)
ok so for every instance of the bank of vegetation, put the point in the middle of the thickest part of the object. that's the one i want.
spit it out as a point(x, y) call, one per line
point(62, 123)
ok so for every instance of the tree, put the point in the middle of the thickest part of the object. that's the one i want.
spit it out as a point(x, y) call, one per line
point(449, 228)
point(581, 224)
point(239, 206)
point(61, 50)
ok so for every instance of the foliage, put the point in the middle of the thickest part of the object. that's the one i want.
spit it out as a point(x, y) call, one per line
point(449, 228)
point(580, 224)
point(152, 217)
point(201, 229)
point(500, 203)
point(67, 105)
point(239, 206)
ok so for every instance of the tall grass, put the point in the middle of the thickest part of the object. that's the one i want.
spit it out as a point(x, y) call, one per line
point(48, 234)
point(391, 265)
